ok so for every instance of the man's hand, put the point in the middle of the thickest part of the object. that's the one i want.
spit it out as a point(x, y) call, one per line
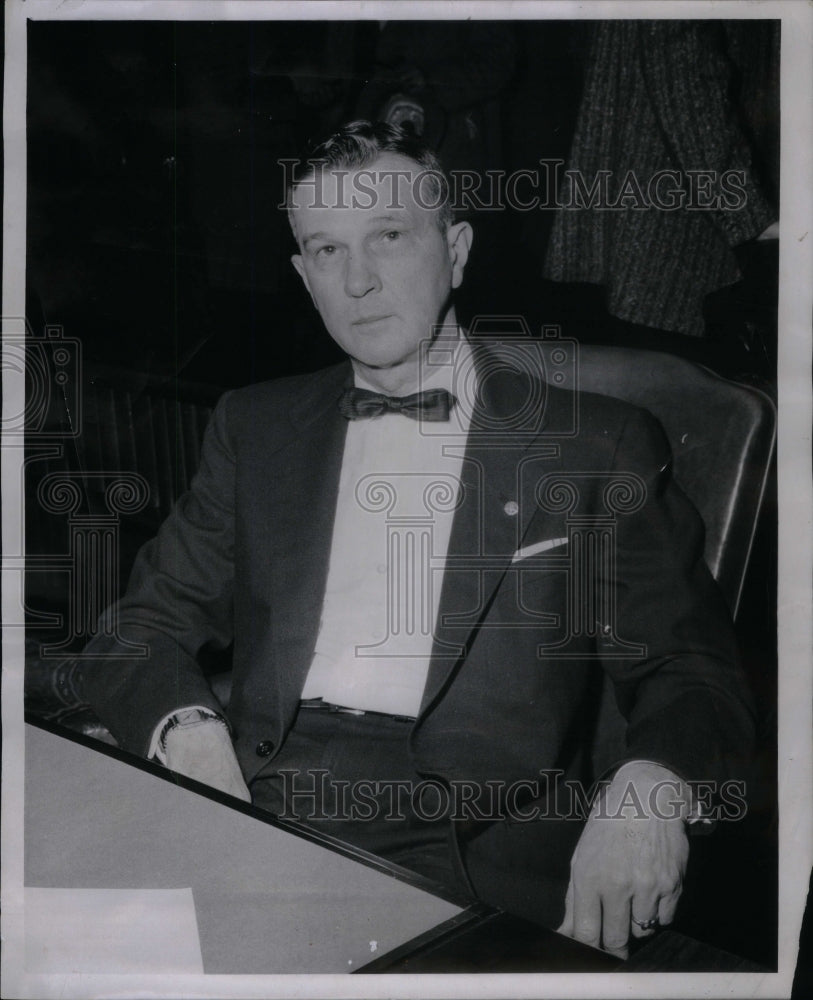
point(629, 863)
point(204, 752)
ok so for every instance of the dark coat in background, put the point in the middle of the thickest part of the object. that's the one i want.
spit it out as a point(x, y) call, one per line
point(680, 96)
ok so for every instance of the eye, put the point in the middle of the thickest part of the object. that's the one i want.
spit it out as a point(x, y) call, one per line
point(392, 235)
point(326, 251)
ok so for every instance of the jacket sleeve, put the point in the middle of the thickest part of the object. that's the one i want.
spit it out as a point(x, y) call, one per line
point(179, 598)
point(686, 699)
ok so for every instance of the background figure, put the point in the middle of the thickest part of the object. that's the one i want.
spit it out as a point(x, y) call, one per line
point(320, 60)
point(679, 96)
point(456, 73)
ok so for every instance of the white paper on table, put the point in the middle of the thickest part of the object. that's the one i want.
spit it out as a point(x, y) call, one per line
point(111, 930)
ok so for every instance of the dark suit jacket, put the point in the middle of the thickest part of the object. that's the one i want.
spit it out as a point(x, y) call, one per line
point(244, 558)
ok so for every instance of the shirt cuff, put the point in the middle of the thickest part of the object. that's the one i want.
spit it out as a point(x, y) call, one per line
point(197, 713)
point(696, 815)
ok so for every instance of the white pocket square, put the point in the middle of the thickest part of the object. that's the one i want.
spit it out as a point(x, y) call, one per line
point(537, 547)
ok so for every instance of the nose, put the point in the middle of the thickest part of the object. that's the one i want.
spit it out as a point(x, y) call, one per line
point(361, 276)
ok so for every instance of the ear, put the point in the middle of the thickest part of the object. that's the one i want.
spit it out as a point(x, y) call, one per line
point(299, 267)
point(458, 240)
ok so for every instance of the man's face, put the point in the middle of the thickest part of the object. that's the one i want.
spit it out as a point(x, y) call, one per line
point(380, 272)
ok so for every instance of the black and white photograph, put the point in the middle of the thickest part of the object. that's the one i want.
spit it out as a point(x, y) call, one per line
point(406, 500)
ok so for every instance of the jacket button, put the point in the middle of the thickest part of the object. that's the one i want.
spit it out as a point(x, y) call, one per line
point(511, 508)
point(265, 748)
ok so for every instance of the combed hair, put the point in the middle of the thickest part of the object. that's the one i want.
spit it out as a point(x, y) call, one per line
point(360, 143)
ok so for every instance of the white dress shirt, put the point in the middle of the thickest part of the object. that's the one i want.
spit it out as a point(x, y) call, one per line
point(398, 490)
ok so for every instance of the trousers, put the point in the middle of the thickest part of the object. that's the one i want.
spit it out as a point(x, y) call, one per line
point(350, 777)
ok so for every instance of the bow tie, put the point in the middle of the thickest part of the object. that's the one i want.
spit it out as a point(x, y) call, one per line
point(434, 404)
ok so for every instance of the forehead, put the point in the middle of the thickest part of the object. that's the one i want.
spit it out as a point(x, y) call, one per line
point(390, 187)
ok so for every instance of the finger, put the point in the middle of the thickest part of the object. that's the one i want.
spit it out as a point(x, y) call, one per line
point(586, 915)
point(566, 927)
point(667, 906)
point(644, 909)
point(648, 928)
point(615, 925)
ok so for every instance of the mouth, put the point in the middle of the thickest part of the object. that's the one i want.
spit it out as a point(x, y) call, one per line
point(370, 320)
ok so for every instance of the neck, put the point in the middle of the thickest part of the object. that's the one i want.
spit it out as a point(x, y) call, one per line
point(403, 378)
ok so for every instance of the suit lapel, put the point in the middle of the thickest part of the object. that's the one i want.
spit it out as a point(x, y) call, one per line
point(304, 483)
point(499, 469)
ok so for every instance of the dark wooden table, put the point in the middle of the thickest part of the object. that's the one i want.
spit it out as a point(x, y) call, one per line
point(497, 942)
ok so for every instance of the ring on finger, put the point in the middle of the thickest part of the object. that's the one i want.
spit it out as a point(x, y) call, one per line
point(646, 925)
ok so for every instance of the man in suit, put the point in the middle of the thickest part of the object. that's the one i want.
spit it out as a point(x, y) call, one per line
point(390, 544)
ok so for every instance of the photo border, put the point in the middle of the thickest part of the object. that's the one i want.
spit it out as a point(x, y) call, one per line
point(795, 634)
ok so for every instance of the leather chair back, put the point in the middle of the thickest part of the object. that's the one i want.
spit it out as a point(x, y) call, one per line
point(722, 435)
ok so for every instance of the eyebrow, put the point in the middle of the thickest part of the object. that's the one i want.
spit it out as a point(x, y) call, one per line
point(314, 236)
point(387, 217)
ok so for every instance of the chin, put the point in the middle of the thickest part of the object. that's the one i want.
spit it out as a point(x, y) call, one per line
point(379, 361)
point(383, 355)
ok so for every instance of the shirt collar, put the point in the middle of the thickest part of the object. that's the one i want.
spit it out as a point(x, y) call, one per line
point(448, 359)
